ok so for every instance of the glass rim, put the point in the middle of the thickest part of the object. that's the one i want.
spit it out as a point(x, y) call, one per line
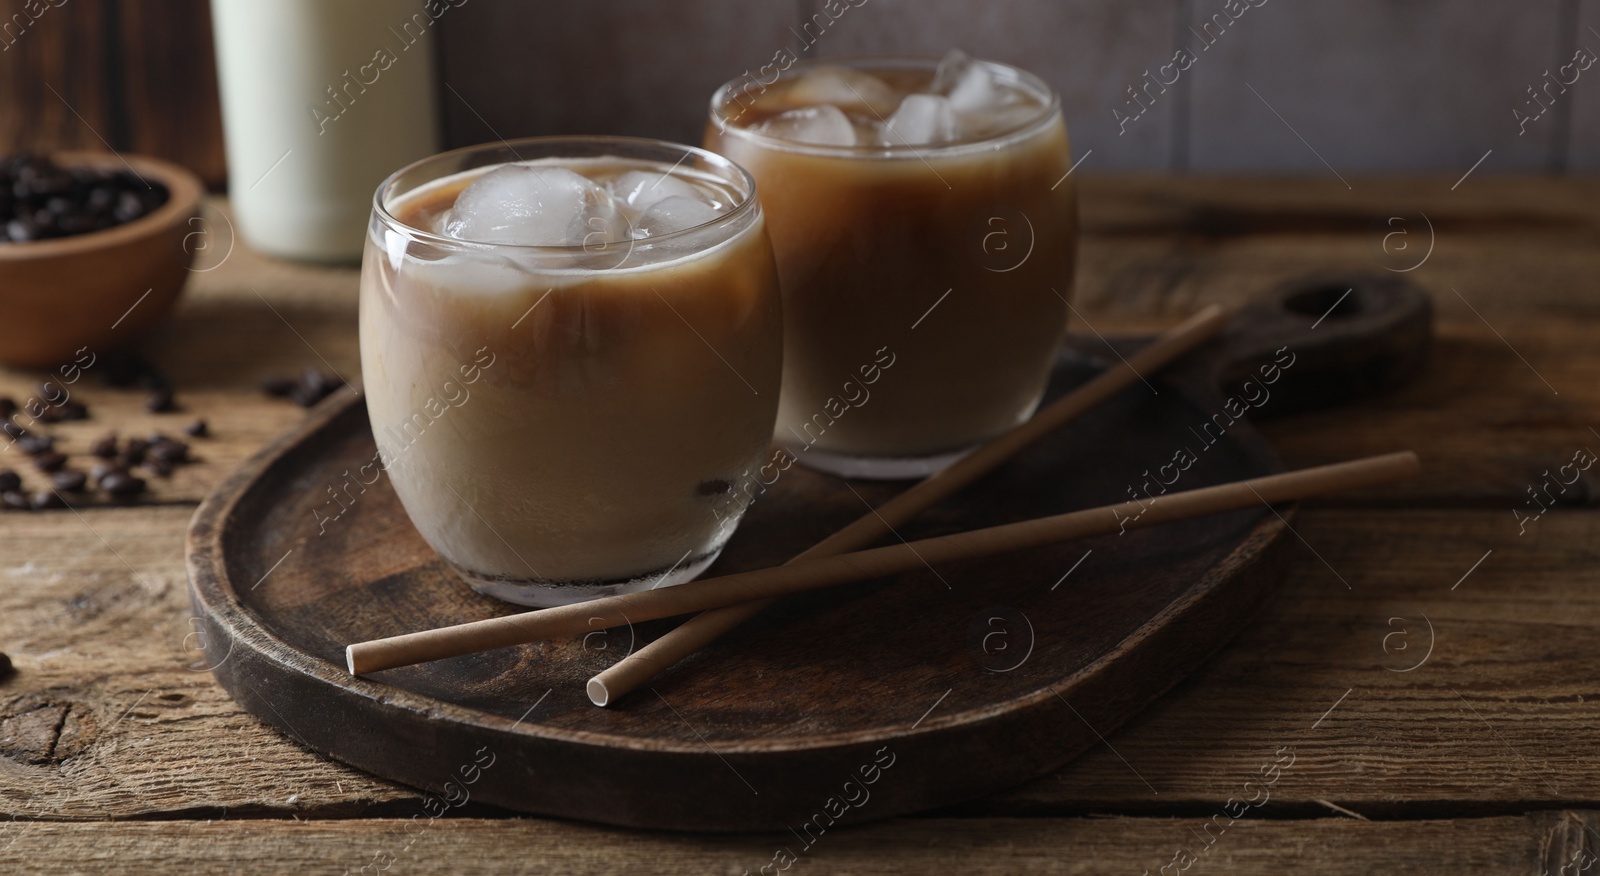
point(866, 63)
point(735, 171)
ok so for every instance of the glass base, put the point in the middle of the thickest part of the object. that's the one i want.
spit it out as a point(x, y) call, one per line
point(878, 468)
point(541, 593)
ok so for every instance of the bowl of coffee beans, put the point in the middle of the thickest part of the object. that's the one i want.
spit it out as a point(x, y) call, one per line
point(94, 250)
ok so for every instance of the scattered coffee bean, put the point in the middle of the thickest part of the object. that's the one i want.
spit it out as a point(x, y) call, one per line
point(316, 386)
point(34, 444)
point(50, 461)
point(158, 466)
point(9, 480)
point(124, 371)
point(5, 666)
point(46, 499)
point(133, 451)
point(15, 500)
point(11, 428)
point(99, 470)
point(8, 406)
point(69, 480)
point(122, 485)
point(105, 446)
point(73, 410)
point(312, 387)
point(169, 450)
point(197, 429)
point(161, 402)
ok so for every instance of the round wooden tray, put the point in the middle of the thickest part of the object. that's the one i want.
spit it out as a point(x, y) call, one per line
point(855, 704)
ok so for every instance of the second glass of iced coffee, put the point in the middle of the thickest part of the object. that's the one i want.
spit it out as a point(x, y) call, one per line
point(925, 227)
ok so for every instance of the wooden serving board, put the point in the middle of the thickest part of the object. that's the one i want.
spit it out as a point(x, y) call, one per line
point(856, 704)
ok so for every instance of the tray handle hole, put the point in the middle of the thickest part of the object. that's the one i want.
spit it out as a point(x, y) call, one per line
point(1331, 302)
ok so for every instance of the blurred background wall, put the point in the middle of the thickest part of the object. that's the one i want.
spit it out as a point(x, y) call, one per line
point(1271, 86)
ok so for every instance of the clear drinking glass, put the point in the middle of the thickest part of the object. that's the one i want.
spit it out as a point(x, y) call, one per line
point(925, 285)
point(567, 422)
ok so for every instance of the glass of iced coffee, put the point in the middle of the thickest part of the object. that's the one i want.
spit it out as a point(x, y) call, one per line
point(571, 350)
point(925, 229)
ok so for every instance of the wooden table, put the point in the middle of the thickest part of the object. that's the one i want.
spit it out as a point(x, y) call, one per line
point(1421, 692)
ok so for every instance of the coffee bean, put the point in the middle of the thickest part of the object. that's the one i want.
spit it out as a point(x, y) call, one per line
point(169, 450)
point(74, 410)
point(34, 444)
point(105, 446)
point(69, 480)
point(161, 402)
point(21, 231)
point(50, 461)
point(11, 428)
point(100, 470)
point(9, 480)
point(124, 370)
point(122, 485)
point(127, 208)
point(133, 451)
point(43, 200)
point(5, 666)
point(16, 500)
point(197, 429)
point(158, 466)
point(46, 499)
point(8, 406)
point(278, 387)
point(313, 387)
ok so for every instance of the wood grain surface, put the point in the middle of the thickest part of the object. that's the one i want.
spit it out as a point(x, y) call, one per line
point(1478, 757)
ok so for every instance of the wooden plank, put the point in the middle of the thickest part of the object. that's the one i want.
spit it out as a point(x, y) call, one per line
point(1463, 75)
point(1508, 263)
point(641, 69)
point(1542, 842)
point(1583, 145)
point(1443, 676)
point(169, 84)
point(1229, 207)
point(1499, 718)
point(54, 70)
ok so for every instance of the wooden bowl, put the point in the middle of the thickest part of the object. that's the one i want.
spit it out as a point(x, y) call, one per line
point(102, 289)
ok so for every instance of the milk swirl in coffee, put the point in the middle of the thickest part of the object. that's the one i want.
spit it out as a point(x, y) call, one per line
point(569, 359)
point(921, 207)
